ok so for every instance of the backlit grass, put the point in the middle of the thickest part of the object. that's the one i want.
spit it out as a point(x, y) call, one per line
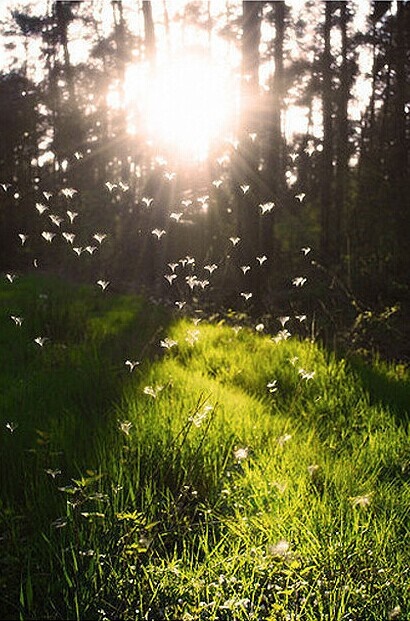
point(230, 475)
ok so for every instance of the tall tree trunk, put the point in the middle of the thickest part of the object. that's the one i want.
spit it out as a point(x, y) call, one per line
point(150, 49)
point(342, 138)
point(277, 170)
point(327, 153)
point(251, 35)
point(401, 168)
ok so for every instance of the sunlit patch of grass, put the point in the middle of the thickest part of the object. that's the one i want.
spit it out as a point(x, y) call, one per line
point(228, 476)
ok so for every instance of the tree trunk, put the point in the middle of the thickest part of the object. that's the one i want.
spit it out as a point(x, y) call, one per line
point(327, 154)
point(342, 139)
point(150, 50)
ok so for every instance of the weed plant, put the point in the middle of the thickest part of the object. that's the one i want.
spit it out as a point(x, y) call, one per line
point(154, 468)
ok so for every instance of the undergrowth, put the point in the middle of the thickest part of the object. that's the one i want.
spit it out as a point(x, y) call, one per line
point(155, 467)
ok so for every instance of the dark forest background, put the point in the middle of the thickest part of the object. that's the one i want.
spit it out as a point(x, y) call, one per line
point(336, 240)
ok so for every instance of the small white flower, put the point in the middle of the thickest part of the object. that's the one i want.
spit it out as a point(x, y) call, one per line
point(281, 548)
point(241, 453)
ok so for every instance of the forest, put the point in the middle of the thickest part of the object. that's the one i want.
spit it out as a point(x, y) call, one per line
point(204, 310)
point(172, 131)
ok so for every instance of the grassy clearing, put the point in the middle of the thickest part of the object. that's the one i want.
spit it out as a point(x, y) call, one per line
point(229, 476)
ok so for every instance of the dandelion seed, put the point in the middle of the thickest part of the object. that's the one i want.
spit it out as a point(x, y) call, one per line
point(48, 236)
point(69, 237)
point(173, 266)
point(266, 207)
point(192, 336)
point(125, 427)
point(41, 340)
point(282, 335)
point(5, 186)
point(176, 215)
point(293, 157)
point(211, 268)
point(41, 208)
point(158, 233)
point(306, 375)
point(237, 329)
point(361, 501)
point(59, 523)
point(47, 195)
point(17, 320)
point(124, 186)
point(11, 277)
point(293, 360)
point(23, 238)
point(199, 417)
point(131, 364)
point(196, 320)
point(99, 237)
point(69, 192)
point(170, 278)
point(35, 263)
point(78, 155)
point(299, 281)
point(259, 327)
point(283, 439)
point(147, 201)
point(180, 304)
point(217, 183)
point(306, 250)
point(253, 136)
point(52, 473)
point(90, 249)
point(78, 250)
point(168, 343)
point(57, 220)
point(283, 320)
point(261, 260)
point(186, 202)
point(244, 188)
point(310, 149)
point(246, 295)
point(300, 196)
point(312, 469)
point(169, 176)
point(272, 386)
point(192, 281)
point(241, 453)
point(103, 284)
point(12, 426)
point(235, 240)
point(245, 268)
point(152, 391)
point(110, 186)
point(300, 318)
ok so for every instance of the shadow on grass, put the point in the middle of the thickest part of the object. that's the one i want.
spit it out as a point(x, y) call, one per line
point(58, 399)
point(386, 385)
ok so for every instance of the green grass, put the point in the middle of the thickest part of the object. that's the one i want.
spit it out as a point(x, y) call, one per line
point(187, 489)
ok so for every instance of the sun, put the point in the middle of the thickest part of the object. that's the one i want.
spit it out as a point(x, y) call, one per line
point(185, 107)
